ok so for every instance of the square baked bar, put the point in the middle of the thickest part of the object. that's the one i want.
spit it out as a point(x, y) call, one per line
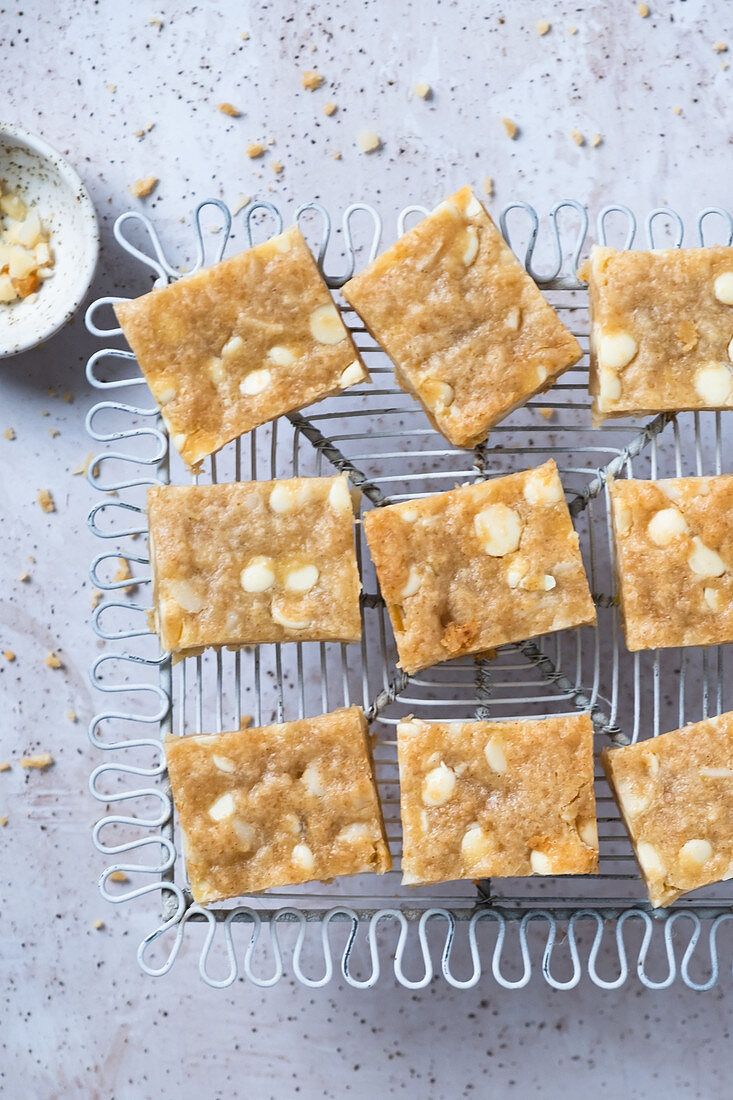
point(661, 330)
point(497, 799)
point(251, 562)
point(674, 560)
point(479, 566)
point(675, 794)
point(470, 335)
point(240, 343)
point(278, 805)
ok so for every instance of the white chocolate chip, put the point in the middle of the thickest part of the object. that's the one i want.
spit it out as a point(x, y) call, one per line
point(436, 393)
point(281, 356)
point(631, 802)
point(588, 833)
point(282, 620)
point(408, 515)
point(217, 372)
point(696, 851)
point(723, 288)
point(351, 375)
point(712, 597)
point(713, 383)
point(164, 397)
point(494, 753)
point(258, 575)
point(538, 582)
point(703, 561)
point(438, 785)
point(222, 808)
point(232, 347)
point(283, 499)
point(303, 858)
point(410, 726)
point(651, 761)
point(610, 386)
point(223, 763)
point(542, 373)
point(291, 824)
point(475, 845)
point(539, 863)
point(716, 773)
point(412, 584)
point(517, 569)
point(301, 579)
point(246, 834)
point(326, 325)
point(447, 207)
point(281, 242)
point(616, 349)
point(352, 834)
point(513, 318)
point(499, 528)
point(185, 596)
point(311, 777)
point(666, 525)
point(255, 382)
point(649, 859)
point(730, 350)
point(339, 496)
point(622, 518)
point(470, 252)
point(473, 207)
point(543, 487)
point(178, 439)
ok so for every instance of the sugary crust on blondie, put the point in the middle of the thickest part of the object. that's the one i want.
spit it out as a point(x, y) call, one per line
point(469, 333)
point(277, 806)
point(674, 560)
point(496, 799)
point(661, 330)
point(240, 343)
point(244, 563)
point(479, 566)
point(675, 794)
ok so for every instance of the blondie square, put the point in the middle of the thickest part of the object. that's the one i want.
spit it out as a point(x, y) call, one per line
point(240, 343)
point(277, 806)
point(479, 566)
point(674, 560)
point(497, 799)
point(675, 794)
point(661, 330)
point(252, 562)
point(470, 335)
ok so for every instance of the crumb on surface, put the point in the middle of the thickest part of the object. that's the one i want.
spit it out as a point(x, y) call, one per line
point(228, 109)
point(488, 186)
point(141, 188)
point(124, 573)
point(52, 660)
point(4, 766)
point(96, 597)
point(40, 761)
point(83, 467)
point(112, 88)
point(244, 36)
point(542, 27)
point(72, 715)
point(720, 47)
point(45, 500)
point(24, 577)
point(3, 821)
point(311, 79)
point(643, 10)
point(677, 110)
point(255, 149)
point(98, 925)
point(512, 130)
point(118, 876)
point(9, 433)
point(423, 90)
point(596, 140)
point(577, 137)
point(330, 108)
point(8, 654)
point(336, 155)
point(368, 141)
point(239, 203)
point(54, 432)
point(572, 30)
point(546, 412)
point(277, 166)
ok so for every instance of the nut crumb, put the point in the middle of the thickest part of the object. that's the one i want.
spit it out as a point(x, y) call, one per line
point(143, 187)
point(542, 27)
point(329, 109)
point(488, 186)
point(720, 47)
point(9, 433)
point(577, 137)
point(118, 876)
point(244, 36)
point(8, 655)
point(45, 412)
point(24, 577)
point(239, 203)
point(276, 166)
point(41, 761)
point(3, 821)
point(424, 90)
point(4, 766)
point(83, 467)
point(643, 10)
point(311, 80)
point(546, 412)
point(98, 925)
point(596, 140)
point(54, 432)
point(511, 128)
point(676, 110)
point(336, 156)
point(45, 500)
point(68, 397)
point(71, 715)
point(228, 109)
point(53, 661)
point(112, 88)
point(255, 150)
point(368, 141)
point(96, 597)
point(572, 30)
point(124, 573)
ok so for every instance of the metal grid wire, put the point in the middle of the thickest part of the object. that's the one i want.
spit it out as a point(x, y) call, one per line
point(382, 439)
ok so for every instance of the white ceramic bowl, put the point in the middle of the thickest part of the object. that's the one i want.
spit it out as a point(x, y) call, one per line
point(44, 179)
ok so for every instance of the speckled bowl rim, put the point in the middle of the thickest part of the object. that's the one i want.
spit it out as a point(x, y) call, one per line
point(11, 133)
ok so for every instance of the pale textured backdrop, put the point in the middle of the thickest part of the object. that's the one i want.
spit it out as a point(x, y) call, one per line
point(79, 1019)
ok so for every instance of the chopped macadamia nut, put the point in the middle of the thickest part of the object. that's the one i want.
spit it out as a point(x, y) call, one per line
point(45, 500)
point(661, 326)
point(479, 566)
point(511, 128)
point(596, 140)
point(423, 90)
point(53, 661)
point(246, 563)
point(40, 761)
point(543, 27)
point(124, 573)
point(216, 369)
point(329, 109)
point(229, 109)
point(143, 187)
point(496, 799)
point(276, 166)
point(311, 80)
point(255, 149)
point(368, 141)
point(278, 805)
point(674, 560)
point(577, 137)
point(26, 258)
point(469, 333)
point(675, 794)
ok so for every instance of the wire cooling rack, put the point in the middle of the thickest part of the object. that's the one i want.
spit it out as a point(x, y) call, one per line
point(509, 928)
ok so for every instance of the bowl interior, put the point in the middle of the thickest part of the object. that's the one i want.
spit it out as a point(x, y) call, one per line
point(45, 182)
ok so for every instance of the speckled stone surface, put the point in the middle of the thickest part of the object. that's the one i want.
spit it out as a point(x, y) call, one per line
point(79, 1019)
